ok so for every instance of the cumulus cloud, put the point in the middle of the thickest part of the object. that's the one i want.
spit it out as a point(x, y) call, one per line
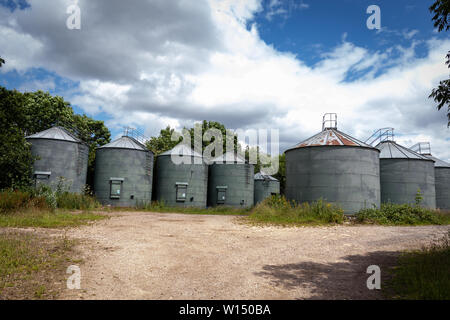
point(163, 62)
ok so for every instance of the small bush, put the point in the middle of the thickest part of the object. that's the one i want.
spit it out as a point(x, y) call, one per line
point(400, 214)
point(74, 201)
point(278, 210)
point(45, 192)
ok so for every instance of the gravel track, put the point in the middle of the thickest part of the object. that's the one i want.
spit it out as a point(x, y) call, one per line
point(138, 255)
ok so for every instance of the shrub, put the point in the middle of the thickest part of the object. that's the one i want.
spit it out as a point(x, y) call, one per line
point(43, 198)
point(277, 209)
point(400, 214)
point(46, 192)
point(67, 200)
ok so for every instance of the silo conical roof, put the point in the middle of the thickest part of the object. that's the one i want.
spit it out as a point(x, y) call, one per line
point(125, 142)
point(55, 133)
point(182, 149)
point(438, 163)
point(263, 176)
point(229, 157)
point(392, 150)
point(331, 137)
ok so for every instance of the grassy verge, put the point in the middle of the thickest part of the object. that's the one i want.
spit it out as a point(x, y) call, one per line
point(423, 274)
point(33, 266)
point(45, 208)
point(404, 214)
point(279, 211)
point(48, 219)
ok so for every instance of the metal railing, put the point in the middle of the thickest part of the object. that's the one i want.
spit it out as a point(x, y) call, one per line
point(329, 121)
point(136, 134)
point(383, 134)
point(422, 148)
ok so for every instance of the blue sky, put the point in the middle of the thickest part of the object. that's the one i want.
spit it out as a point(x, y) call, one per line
point(323, 23)
point(248, 64)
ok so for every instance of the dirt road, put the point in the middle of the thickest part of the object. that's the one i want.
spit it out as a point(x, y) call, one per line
point(174, 256)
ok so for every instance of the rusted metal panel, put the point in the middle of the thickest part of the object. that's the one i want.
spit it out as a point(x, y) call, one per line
point(331, 137)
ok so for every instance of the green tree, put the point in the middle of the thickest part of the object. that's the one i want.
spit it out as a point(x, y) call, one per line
point(441, 94)
point(441, 11)
point(95, 134)
point(163, 142)
point(206, 125)
point(43, 111)
point(15, 153)
point(2, 62)
point(27, 113)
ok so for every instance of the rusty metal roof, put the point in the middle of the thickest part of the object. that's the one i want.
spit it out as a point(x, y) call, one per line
point(331, 137)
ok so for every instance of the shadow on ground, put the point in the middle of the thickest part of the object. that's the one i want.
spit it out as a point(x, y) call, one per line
point(346, 279)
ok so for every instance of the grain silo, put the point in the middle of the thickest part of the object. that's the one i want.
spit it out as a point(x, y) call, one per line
point(403, 172)
point(265, 186)
point(230, 181)
point(123, 173)
point(334, 167)
point(181, 177)
point(62, 157)
point(441, 175)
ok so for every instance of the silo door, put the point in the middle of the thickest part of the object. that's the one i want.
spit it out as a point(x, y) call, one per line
point(221, 194)
point(181, 191)
point(115, 188)
point(41, 177)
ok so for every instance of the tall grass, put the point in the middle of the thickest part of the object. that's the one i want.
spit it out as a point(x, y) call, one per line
point(402, 214)
point(67, 200)
point(45, 208)
point(44, 199)
point(278, 210)
point(16, 200)
point(423, 274)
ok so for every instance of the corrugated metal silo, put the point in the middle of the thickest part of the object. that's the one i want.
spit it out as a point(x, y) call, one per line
point(181, 184)
point(60, 154)
point(231, 181)
point(403, 172)
point(441, 176)
point(123, 173)
point(265, 186)
point(335, 167)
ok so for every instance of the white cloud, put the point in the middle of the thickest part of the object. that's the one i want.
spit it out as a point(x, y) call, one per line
point(283, 8)
point(175, 62)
